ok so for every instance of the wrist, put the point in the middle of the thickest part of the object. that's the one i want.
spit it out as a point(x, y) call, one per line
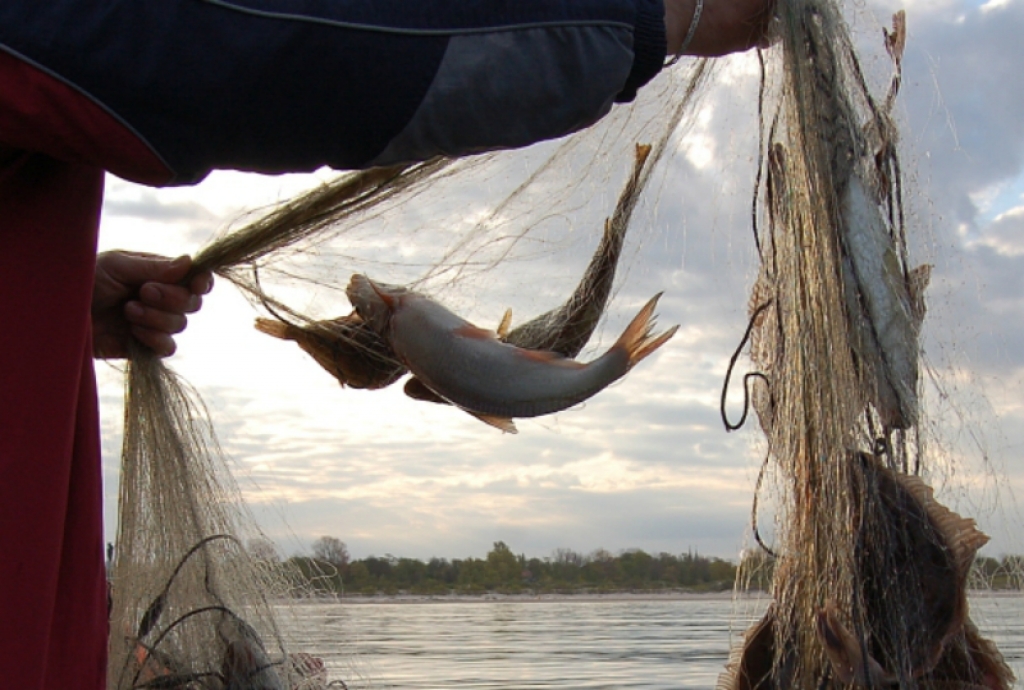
point(682, 18)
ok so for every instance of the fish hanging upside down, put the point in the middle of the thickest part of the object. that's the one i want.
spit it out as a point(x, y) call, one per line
point(475, 371)
point(358, 357)
point(346, 347)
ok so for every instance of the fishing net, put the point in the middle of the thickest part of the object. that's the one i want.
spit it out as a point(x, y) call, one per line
point(190, 606)
point(868, 571)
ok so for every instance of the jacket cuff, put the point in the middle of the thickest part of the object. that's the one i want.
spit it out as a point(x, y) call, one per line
point(649, 46)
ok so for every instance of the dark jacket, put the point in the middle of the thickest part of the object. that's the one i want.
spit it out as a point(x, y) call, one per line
point(293, 85)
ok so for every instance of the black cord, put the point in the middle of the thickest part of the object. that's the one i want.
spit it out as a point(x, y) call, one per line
point(746, 377)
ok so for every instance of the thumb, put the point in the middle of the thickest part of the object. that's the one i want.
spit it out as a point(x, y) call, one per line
point(132, 268)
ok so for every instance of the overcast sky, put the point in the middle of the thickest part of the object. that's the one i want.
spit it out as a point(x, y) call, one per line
point(645, 464)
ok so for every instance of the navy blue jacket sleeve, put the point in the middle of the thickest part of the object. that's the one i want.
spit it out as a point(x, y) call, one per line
point(292, 85)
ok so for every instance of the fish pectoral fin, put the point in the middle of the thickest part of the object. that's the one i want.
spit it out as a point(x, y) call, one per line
point(503, 423)
point(417, 390)
point(505, 325)
point(916, 285)
point(549, 357)
point(474, 332)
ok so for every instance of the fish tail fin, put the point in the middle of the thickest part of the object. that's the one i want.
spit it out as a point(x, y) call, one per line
point(276, 328)
point(638, 340)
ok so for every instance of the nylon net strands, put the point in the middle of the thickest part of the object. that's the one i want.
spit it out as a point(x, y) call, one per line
point(870, 572)
point(191, 608)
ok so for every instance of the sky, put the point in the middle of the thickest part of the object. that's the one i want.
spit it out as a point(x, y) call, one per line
point(646, 463)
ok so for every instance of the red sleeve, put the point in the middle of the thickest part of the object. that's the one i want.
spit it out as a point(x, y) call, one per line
point(53, 620)
point(40, 113)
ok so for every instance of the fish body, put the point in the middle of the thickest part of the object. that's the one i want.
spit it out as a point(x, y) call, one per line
point(886, 305)
point(564, 330)
point(567, 328)
point(495, 381)
point(246, 665)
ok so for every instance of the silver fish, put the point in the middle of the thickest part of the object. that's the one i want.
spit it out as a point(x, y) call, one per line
point(568, 328)
point(494, 381)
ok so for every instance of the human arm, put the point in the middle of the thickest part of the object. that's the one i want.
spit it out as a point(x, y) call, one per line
point(140, 296)
point(163, 91)
point(723, 27)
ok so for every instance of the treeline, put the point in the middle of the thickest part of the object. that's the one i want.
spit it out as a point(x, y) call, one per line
point(566, 571)
point(329, 570)
point(1005, 573)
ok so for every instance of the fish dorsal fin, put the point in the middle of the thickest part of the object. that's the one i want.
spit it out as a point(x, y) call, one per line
point(474, 332)
point(506, 324)
point(503, 423)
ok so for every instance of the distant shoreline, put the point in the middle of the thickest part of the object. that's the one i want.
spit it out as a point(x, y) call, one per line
point(525, 597)
point(583, 597)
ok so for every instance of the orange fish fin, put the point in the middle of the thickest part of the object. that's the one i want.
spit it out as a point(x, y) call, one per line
point(637, 340)
point(505, 325)
point(549, 357)
point(471, 331)
point(503, 423)
point(273, 327)
point(641, 153)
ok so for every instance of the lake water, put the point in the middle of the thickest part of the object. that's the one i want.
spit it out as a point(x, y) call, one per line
point(649, 643)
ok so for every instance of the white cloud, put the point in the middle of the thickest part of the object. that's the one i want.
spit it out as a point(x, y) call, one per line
point(1004, 235)
point(646, 463)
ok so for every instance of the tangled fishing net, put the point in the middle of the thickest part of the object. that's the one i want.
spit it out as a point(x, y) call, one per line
point(191, 608)
point(870, 577)
point(871, 572)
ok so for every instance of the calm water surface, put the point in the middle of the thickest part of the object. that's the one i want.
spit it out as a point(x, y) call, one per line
point(574, 643)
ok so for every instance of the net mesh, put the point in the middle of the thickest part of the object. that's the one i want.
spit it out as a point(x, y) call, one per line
point(868, 571)
point(191, 607)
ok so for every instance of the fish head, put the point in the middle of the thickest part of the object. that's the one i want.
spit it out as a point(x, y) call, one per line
point(374, 302)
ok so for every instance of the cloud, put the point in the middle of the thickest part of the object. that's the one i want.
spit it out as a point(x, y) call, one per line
point(963, 101)
point(1004, 235)
point(646, 463)
point(148, 205)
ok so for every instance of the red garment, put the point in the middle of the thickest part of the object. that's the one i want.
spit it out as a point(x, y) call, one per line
point(53, 617)
point(53, 612)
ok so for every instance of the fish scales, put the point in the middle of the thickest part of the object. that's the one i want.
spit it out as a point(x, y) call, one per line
point(471, 368)
point(476, 371)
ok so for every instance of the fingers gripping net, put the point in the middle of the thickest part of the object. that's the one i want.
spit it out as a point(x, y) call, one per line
point(190, 608)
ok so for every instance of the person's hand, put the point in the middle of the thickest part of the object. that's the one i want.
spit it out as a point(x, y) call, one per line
point(140, 296)
point(725, 26)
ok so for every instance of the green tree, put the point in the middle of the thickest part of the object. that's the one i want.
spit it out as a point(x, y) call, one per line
point(332, 550)
point(504, 565)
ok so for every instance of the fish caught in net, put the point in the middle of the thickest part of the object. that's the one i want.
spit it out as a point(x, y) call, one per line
point(530, 366)
point(190, 607)
point(870, 571)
